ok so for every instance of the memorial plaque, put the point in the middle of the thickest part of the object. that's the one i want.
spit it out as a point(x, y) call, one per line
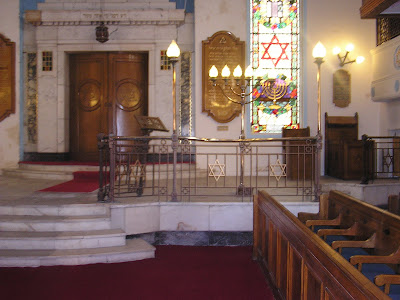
point(7, 77)
point(341, 88)
point(221, 49)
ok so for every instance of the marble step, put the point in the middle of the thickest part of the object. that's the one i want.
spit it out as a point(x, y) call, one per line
point(55, 210)
point(59, 168)
point(54, 223)
point(65, 172)
point(136, 249)
point(48, 240)
point(39, 174)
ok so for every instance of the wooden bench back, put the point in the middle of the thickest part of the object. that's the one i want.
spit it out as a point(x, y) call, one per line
point(372, 219)
point(299, 264)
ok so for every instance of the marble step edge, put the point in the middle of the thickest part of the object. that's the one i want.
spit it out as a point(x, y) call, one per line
point(97, 209)
point(59, 168)
point(74, 168)
point(68, 175)
point(54, 223)
point(22, 218)
point(47, 240)
point(135, 249)
point(39, 174)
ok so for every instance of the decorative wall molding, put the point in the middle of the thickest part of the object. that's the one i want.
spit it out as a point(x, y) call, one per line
point(110, 17)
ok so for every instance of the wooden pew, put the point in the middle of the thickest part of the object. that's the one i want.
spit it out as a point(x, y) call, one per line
point(367, 219)
point(373, 230)
point(300, 265)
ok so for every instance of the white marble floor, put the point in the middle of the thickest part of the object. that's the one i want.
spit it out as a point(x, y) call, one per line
point(25, 191)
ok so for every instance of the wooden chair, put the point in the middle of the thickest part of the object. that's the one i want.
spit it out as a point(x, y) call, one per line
point(298, 157)
point(343, 150)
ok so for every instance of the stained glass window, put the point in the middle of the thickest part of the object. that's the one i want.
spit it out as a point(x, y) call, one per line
point(274, 50)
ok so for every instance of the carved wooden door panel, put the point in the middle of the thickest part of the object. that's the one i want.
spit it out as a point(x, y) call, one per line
point(128, 90)
point(100, 82)
point(88, 110)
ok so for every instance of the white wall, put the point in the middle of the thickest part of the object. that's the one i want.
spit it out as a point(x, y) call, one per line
point(386, 78)
point(212, 16)
point(337, 23)
point(334, 23)
point(9, 127)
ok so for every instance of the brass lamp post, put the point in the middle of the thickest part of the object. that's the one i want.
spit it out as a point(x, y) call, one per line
point(319, 52)
point(173, 53)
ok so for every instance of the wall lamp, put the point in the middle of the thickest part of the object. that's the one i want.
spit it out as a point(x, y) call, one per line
point(344, 59)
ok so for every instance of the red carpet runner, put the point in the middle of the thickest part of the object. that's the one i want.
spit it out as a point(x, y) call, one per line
point(83, 182)
point(177, 272)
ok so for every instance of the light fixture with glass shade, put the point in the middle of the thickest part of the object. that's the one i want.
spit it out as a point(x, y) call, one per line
point(344, 59)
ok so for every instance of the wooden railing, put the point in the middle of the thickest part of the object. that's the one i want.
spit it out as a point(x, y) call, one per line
point(300, 265)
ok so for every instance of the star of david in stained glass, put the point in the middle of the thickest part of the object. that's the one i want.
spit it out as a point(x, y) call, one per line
point(216, 170)
point(275, 50)
point(278, 170)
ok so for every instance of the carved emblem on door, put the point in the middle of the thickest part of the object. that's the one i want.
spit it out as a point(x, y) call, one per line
point(89, 95)
point(128, 96)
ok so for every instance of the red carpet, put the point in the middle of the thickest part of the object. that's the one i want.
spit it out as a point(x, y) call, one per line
point(83, 182)
point(177, 272)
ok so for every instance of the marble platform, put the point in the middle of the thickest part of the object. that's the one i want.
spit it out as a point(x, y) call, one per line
point(40, 228)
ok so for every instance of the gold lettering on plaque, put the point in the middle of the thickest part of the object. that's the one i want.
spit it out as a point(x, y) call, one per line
point(221, 49)
point(341, 88)
point(7, 77)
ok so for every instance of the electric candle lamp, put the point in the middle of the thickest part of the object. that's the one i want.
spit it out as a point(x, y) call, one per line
point(213, 73)
point(249, 72)
point(225, 72)
point(237, 72)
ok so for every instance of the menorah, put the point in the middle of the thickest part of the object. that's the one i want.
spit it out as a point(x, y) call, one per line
point(272, 88)
point(275, 89)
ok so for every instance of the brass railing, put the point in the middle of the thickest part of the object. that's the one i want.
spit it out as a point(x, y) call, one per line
point(143, 168)
point(381, 157)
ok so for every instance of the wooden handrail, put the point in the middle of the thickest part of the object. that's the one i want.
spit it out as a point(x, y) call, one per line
point(369, 243)
point(334, 222)
point(393, 258)
point(387, 280)
point(354, 230)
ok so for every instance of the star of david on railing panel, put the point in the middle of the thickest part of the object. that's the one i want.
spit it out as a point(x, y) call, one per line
point(387, 160)
point(216, 170)
point(278, 170)
point(137, 170)
point(162, 190)
point(307, 191)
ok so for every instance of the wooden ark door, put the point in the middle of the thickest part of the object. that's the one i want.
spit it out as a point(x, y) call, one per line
point(99, 83)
